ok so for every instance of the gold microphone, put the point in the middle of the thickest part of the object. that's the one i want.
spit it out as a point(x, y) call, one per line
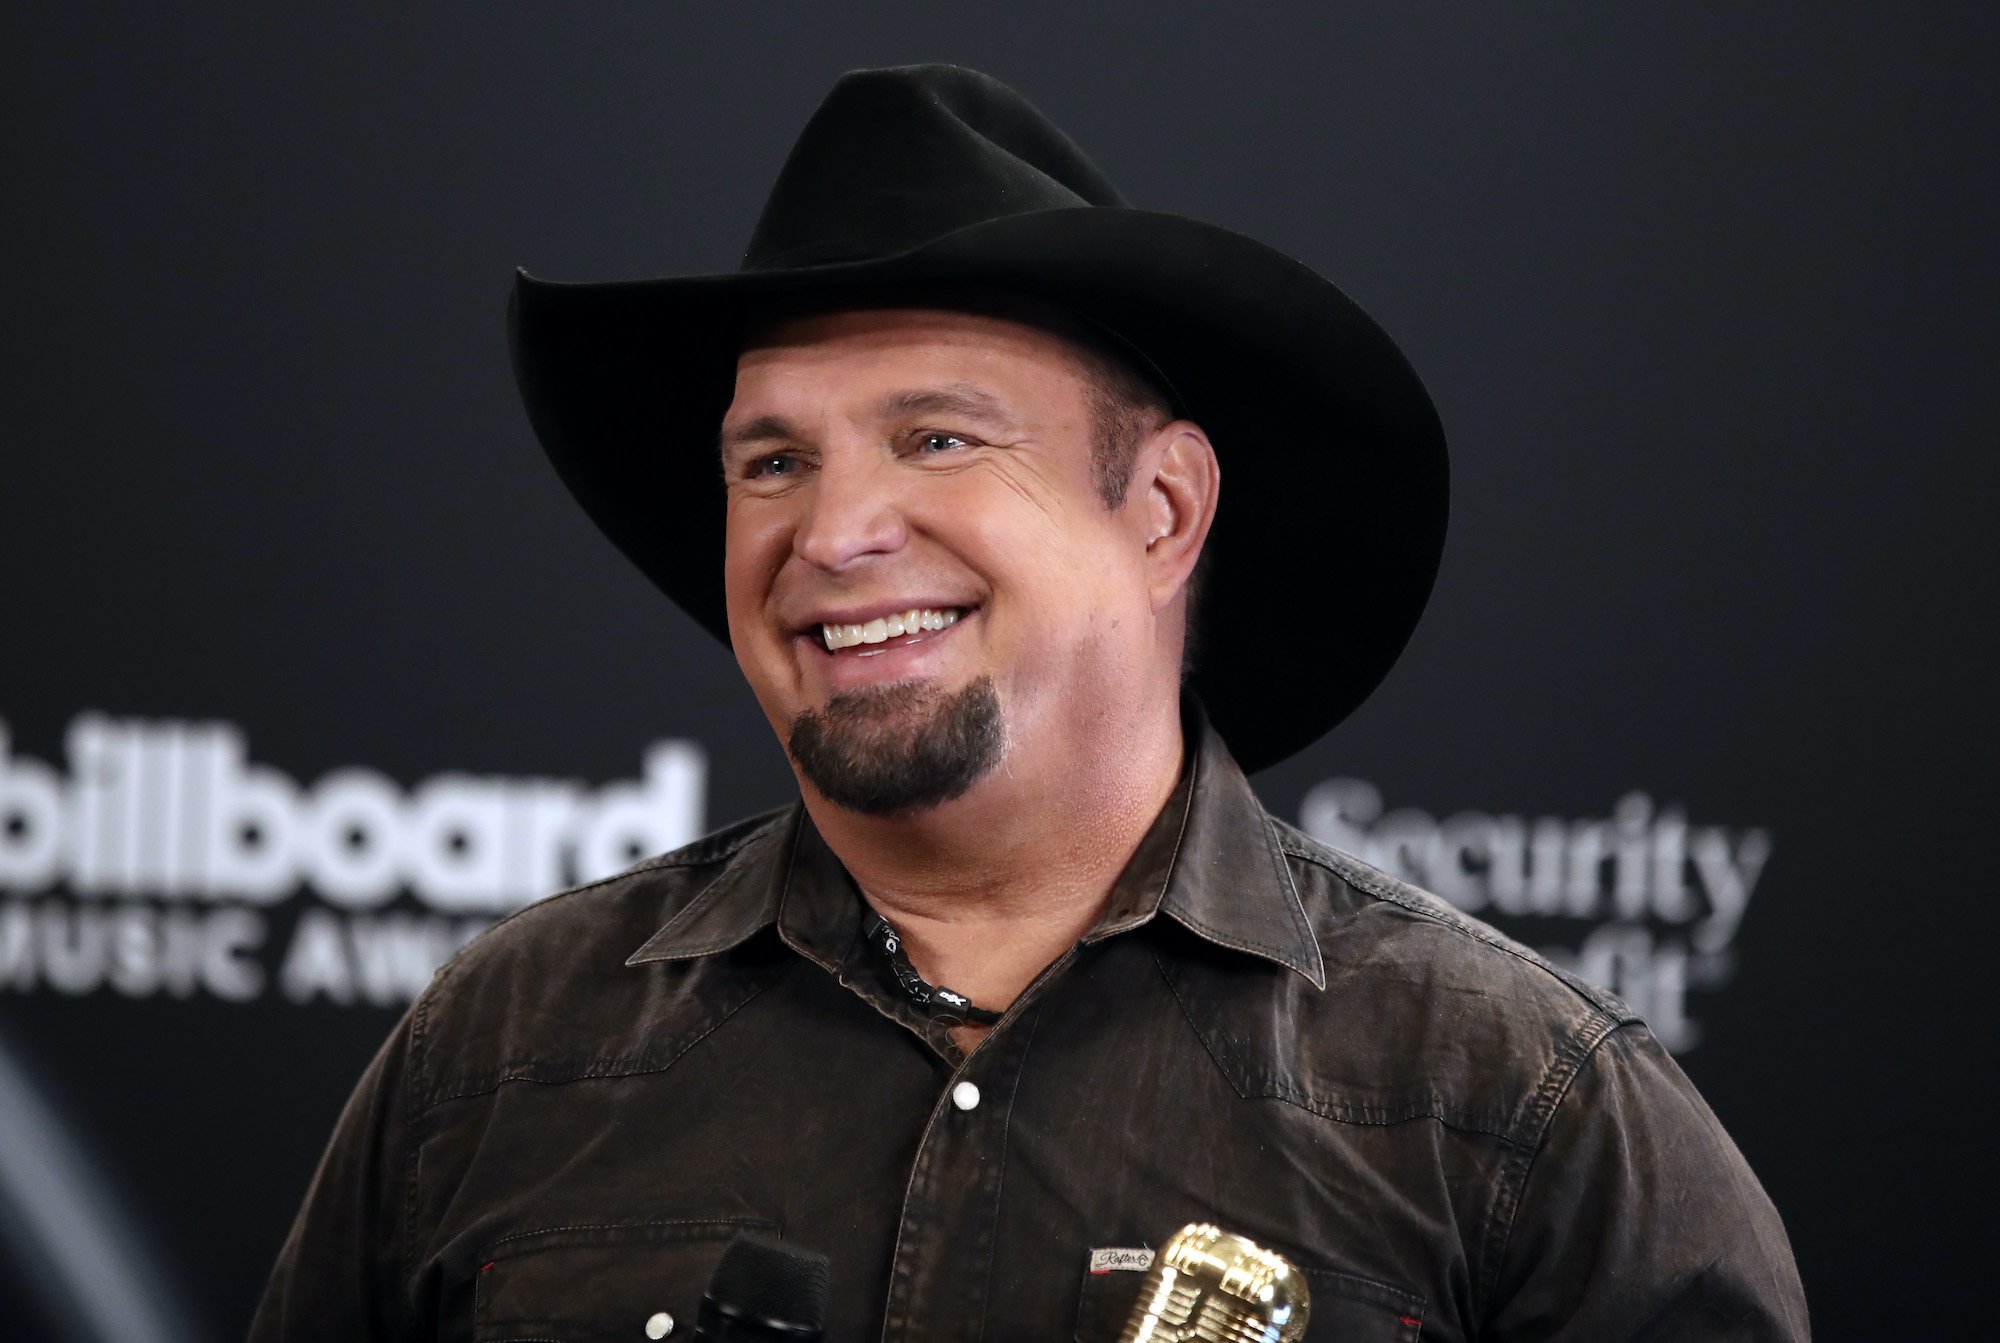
point(1209, 1286)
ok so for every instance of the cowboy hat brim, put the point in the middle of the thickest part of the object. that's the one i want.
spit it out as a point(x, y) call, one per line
point(1322, 556)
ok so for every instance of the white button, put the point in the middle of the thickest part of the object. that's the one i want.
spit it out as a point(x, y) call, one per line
point(965, 1096)
point(660, 1325)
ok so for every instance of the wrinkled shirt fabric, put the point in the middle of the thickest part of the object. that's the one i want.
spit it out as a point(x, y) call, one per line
point(1452, 1139)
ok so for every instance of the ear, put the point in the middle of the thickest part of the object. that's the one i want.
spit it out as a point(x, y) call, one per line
point(1176, 486)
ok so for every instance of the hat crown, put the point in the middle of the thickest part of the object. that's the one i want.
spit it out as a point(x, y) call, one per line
point(895, 158)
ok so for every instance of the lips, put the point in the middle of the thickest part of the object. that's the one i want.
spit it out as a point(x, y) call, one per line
point(880, 629)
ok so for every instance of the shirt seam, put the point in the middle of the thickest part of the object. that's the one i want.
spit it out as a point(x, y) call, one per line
point(609, 1067)
point(1000, 1178)
point(412, 1126)
point(753, 1222)
point(1443, 1115)
point(1447, 1116)
point(1573, 1053)
point(920, 1176)
point(1508, 1131)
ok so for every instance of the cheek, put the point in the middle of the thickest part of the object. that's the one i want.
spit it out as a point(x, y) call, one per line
point(754, 546)
point(1065, 582)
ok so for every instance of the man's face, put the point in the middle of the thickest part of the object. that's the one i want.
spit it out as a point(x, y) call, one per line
point(927, 472)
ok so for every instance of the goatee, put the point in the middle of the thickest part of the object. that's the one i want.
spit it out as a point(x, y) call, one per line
point(893, 749)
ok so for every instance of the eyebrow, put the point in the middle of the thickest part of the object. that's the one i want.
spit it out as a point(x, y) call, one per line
point(760, 430)
point(956, 398)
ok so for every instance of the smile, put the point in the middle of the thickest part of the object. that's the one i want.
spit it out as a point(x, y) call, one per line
point(915, 621)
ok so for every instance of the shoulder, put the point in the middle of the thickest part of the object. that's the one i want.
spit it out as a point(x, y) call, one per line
point(1426, 1012)
point(547, 994)
point(1348, 900)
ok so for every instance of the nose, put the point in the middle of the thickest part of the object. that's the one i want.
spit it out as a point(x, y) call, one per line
point(851, 514)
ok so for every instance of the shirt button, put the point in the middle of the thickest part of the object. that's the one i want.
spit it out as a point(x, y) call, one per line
point(660, 1325)
point(965, 1096)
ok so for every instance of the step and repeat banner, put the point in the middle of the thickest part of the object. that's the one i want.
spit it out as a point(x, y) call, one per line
point(312, 671)
point(148, 863)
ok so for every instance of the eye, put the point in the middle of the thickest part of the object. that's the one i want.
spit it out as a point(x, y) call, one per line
point(936, 440)
point(770, 466)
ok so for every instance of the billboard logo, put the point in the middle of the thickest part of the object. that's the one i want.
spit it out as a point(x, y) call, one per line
point(162, 843)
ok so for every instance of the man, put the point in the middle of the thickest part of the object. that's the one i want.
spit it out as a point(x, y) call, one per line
point(1028, 979)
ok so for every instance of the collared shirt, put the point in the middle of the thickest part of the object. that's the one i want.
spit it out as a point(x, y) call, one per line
point(1449, 1137)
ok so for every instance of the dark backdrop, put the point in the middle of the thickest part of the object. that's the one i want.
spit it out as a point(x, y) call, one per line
point(1707, 301)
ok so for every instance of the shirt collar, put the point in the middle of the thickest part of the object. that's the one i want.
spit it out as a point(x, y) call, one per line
point(1211, 862)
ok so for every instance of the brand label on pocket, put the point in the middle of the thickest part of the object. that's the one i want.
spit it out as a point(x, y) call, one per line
point(1120, 1260)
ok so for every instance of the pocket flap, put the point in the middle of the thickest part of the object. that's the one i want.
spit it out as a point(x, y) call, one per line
point(1346, 1307)
point(599, 1284)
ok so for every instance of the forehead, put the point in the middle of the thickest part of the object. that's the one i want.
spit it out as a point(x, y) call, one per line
point(824, 354)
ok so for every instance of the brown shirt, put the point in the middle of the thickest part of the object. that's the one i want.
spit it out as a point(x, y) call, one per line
point(1451, 1138)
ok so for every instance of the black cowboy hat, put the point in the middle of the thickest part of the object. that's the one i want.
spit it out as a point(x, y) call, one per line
point(1323, 554)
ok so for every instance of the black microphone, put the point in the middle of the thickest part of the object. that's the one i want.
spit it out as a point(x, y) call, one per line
point(764, 1290)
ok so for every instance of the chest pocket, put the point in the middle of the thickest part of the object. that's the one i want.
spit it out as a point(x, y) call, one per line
point(599, 1284)
point(1345, 1309)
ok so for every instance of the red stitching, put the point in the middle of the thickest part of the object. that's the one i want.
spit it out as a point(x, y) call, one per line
point(1402, 1319)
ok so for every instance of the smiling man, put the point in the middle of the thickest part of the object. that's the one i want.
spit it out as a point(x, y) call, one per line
point(1027, 979)
point(970, 643)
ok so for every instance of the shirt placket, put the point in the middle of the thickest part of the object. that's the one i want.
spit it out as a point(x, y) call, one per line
point(942, 1268)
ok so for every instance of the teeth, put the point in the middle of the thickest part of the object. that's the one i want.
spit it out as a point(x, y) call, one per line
point(913, 621)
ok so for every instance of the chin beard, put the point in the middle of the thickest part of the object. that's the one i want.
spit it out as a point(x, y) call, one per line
point(894, 749)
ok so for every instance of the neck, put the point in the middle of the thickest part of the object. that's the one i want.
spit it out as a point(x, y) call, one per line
point(990, 888)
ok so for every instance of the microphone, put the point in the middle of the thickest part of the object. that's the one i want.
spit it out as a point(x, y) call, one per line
point(764, 1290)
point(1210, 1286)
